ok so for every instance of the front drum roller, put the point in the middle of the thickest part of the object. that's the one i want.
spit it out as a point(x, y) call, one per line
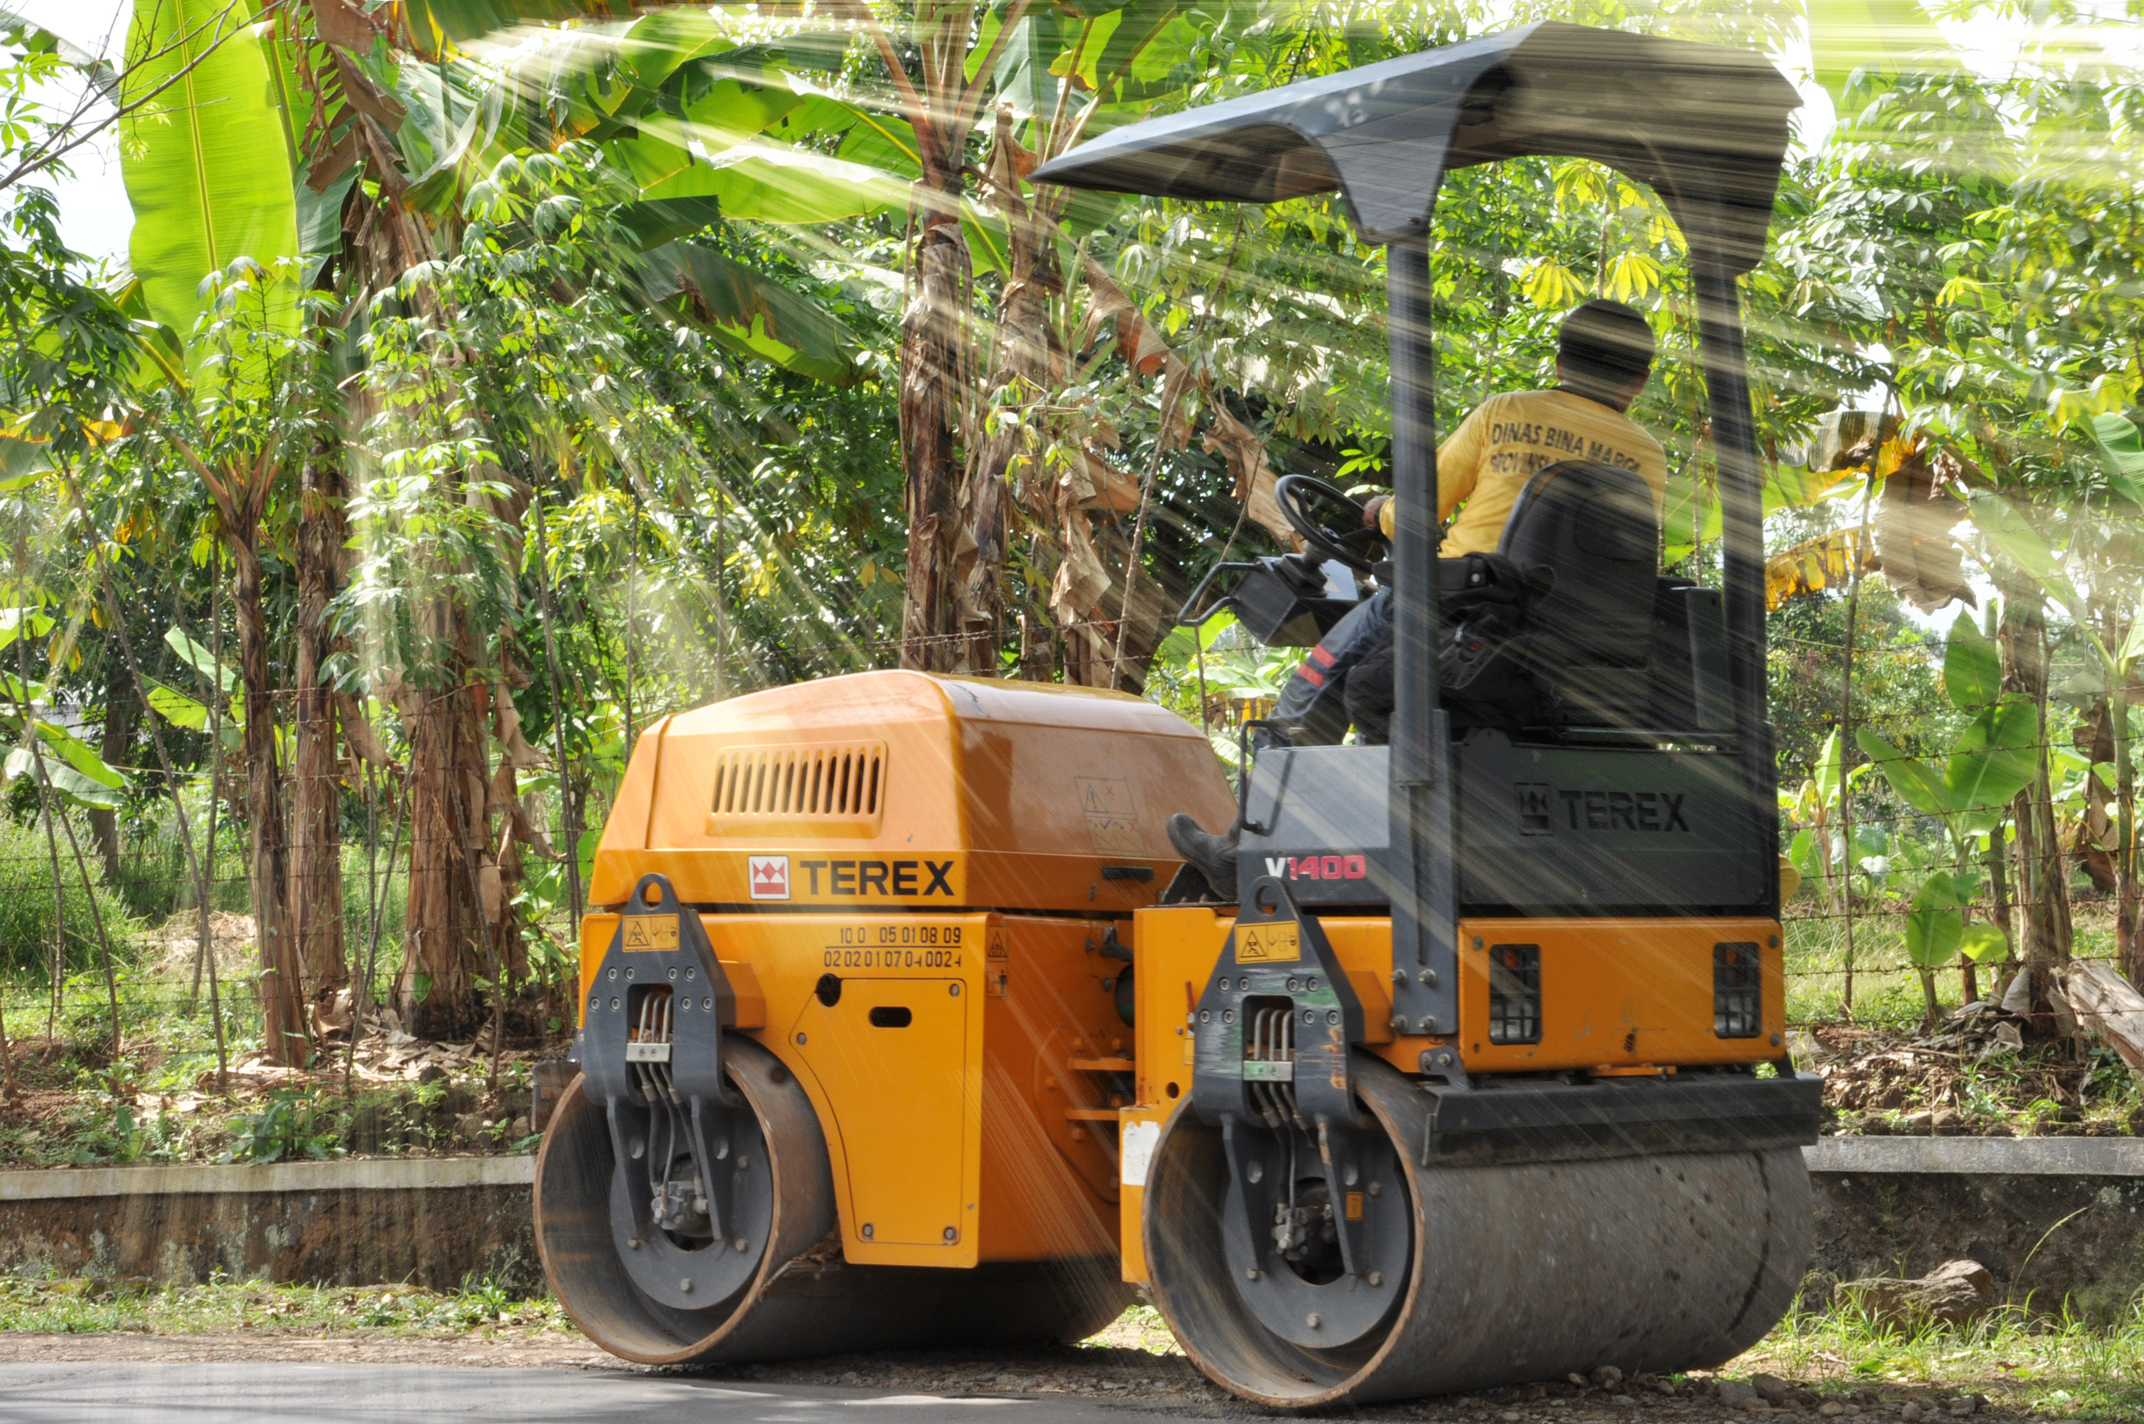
point(1510, 1274)
point(787, 1290)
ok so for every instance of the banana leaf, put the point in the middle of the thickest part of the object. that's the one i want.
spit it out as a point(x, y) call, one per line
point(206, 170)
point(751, 312)
point(1935, 927)
point(1972, 668)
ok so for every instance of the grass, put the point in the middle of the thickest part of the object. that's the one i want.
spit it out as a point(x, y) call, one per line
point(1887, 991)
point(77, 1306)
point(1140, 1327)
point(2062, 1369)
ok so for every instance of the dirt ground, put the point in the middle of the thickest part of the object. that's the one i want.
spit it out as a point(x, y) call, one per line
point(1130, 1372)
point(1972, 1076)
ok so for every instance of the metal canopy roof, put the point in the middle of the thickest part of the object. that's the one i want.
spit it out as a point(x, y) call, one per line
point(1705, 126)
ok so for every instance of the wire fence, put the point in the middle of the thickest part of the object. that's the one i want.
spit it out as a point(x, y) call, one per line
point(99, 924)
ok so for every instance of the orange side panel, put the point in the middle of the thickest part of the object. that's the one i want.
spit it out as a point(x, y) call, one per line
point(1056, 1067)
point(1619, 993)
point(980, 1128)
point(1176, 951)
point(626, 831)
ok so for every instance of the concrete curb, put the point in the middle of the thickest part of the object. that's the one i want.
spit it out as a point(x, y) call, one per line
point(2058, 1220)
point(1981, 1156)
point(364, 1174)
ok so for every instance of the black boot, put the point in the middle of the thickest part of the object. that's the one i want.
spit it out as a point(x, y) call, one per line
point(1212, 856)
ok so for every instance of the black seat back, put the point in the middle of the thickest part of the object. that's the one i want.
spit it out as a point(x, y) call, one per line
point(1589, 636)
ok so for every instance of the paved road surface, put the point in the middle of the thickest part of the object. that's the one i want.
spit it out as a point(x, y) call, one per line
point(279, 1393)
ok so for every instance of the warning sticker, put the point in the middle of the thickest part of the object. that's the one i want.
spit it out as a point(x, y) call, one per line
point(650, 932)
point(1112, 816)
point(1278, 943)
point(995, 965)
point(1354, 1206)
point(1136, 1151)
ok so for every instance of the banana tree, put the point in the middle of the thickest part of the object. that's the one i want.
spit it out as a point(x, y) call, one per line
point(2115, 648)
point(1818, 849)
point(788, 130)
point(337, 147)
point(1969, 793)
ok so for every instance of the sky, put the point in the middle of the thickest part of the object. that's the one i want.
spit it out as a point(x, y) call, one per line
point(94, 216)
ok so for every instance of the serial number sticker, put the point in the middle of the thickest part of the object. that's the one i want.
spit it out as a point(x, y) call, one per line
point(897, 947)
point(1277, 943)
point(1260, 1070)
point(650, 932)
point(647, 1053)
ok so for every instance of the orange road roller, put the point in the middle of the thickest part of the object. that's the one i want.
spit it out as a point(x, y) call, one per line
point(903, 1026)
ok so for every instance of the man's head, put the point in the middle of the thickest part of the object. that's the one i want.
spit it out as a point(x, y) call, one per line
point(1605, 352)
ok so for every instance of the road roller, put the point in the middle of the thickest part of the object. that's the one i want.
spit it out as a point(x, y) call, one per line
point(902, 1025)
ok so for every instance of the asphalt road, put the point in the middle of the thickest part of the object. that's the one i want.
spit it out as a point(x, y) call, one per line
point(280, 1393)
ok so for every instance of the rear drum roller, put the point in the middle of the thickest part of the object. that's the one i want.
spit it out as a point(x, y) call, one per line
point(1483, 1276)
point(778, 1287)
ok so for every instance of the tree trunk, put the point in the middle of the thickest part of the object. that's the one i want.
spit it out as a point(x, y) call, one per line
point(1029, 365)
point(444, 947)
point(1999, 883)
point(1091, 648)
point(122, 718)
point(2043, 878)
point(940, 630)
point(934, 370)
point(2129, 943)
point(316, 781)
point(1934, 1009)
point(284, 1034)
point(1847, 858)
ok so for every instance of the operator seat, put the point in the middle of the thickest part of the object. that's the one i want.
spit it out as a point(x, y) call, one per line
point(1588, 638)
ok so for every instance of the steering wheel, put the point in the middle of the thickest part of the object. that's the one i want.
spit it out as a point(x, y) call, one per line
point(1302, 498)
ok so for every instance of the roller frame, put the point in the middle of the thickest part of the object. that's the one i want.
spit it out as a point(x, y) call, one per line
point(680, 1098)
point(1278, 1085)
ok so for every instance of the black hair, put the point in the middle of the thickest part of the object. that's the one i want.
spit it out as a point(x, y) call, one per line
point(1605, 343)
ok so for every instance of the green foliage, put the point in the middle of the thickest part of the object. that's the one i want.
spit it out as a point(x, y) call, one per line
point(26, 905)
point(1972, 668)
point(35, 1303)
point(205, 188)
point(749, 312)
point(2061, 1359)
point(286, 1126)
point(1898, 686)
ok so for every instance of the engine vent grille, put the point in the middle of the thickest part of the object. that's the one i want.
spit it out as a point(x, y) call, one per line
point(1515, 993)
point(758, 785)
point(1737, 995)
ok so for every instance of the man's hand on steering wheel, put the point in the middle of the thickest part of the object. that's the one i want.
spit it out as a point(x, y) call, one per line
point(1352, 536)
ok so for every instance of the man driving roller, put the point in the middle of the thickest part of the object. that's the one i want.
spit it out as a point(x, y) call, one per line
point(1604, 355)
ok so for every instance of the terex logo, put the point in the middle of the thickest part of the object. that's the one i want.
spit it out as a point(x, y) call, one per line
point(769, 875)
point(1317, 867)
point(880, 877)
point(1659, 811)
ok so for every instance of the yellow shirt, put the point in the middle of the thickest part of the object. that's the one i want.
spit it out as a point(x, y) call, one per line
point(1498, 448)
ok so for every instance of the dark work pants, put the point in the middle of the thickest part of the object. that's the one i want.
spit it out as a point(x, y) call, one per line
point(1315, 699)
